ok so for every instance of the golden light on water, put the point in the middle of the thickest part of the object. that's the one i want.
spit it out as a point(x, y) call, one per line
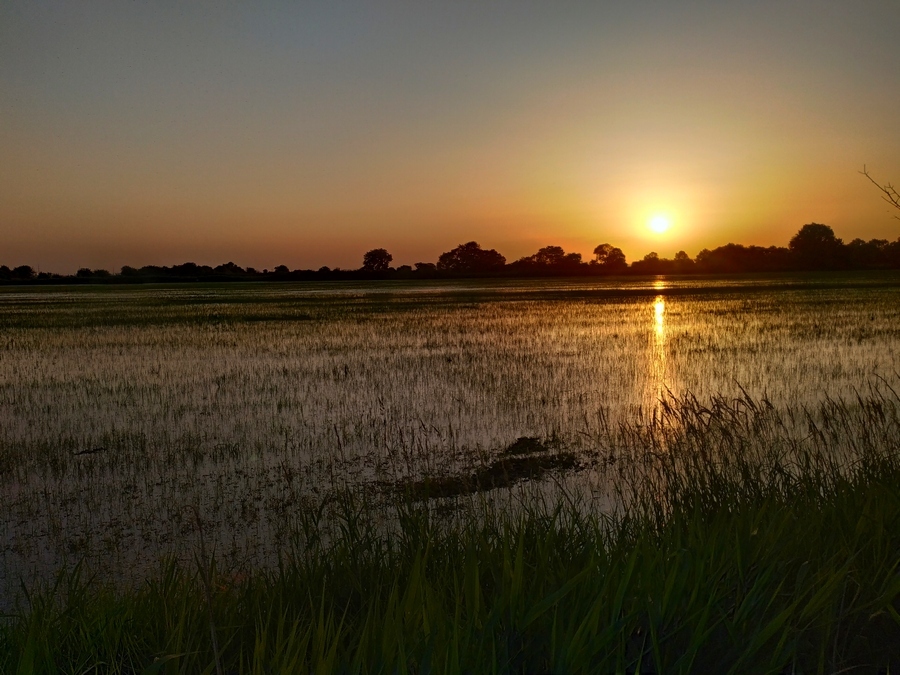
point(658, 361)
point(659, 311)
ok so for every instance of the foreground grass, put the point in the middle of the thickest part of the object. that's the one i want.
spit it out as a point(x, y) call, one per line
point(802, 582)
point(737, 546)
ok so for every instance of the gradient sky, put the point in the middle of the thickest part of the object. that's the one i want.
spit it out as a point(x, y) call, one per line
point(307, 133)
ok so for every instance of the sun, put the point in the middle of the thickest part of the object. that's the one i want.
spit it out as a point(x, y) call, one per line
point(659, 223)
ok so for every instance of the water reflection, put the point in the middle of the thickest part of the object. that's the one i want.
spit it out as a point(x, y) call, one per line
point(657, 385)
point(659, 310)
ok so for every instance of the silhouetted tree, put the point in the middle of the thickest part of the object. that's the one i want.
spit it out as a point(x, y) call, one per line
point(22, 272)
point(816, 247)
point(866, 254)
point(88, 273)
point(889, 192)
point(892, 254)
point(377, 260)
point(610, 258)
point(682, 264)
point(424, 269)
point(549, 256)
point(193, 270)
point(229, 268)
point(549, 260)
point(649, 264)
point(739, 258)
point(281, 269)
point(470, 257)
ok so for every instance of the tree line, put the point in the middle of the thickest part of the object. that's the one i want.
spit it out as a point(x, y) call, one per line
point(813, 247)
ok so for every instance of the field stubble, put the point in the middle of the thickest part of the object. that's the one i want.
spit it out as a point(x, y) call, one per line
point(123, 410)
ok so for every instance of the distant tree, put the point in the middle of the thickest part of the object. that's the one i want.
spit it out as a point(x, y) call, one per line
point(88, 273)
point(549, 256)
point(892, 254)
point(193, 270)
point(815, 247)
point(425, 269)
point(548, 260)
point(572, 261)
point(324, 269)
point(610, 258)
point(229, 268)
point(282, 269)
point(652, 264)
point(128, 271)
point(377, 260)
point(470, 257)
point(5, 272)
point(22, 272)
point(682, 263)
point(867, 254)
point(889, 192)
point(739, 258)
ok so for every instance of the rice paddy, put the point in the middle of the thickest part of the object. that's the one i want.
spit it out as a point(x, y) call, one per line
point(424, 432)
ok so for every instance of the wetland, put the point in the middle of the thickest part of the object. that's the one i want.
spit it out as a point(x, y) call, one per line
point(141, 424)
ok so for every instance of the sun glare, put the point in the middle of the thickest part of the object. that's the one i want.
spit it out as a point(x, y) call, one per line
point(659, 223)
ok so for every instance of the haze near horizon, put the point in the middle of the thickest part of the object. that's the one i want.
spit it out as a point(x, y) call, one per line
point(274, 134)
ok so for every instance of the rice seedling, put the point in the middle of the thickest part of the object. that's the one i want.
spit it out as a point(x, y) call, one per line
point(704, 476)
point(776, 554)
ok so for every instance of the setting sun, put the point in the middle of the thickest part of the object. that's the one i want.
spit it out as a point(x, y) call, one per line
point(659, 223)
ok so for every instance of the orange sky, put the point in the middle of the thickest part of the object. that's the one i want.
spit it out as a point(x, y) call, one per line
point(271, 134)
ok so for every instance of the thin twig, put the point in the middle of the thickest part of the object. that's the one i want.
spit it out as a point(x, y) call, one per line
point(890, 193)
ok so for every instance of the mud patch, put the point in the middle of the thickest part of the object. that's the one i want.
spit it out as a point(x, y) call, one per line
point(525, 459)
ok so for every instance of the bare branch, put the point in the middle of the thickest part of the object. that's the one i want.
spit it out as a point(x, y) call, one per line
point(889, 192)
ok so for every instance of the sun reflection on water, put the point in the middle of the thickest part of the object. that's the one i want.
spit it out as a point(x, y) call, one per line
point(658, 386)
point(659, 311)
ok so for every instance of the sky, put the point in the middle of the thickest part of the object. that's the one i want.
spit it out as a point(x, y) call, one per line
point(304, 134)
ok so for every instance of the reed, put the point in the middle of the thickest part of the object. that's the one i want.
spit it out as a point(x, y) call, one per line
point(742, 539)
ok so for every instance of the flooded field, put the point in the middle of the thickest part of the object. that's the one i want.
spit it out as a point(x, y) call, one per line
point(123, 409)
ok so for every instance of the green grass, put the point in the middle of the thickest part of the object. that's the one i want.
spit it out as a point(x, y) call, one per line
point(783, 559)
point(359, 439)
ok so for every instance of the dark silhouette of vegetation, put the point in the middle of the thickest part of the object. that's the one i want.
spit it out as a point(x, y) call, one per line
point(470, 258)
point(550, 260)
point(377, 260)
point(813, 248)
point(426, 270)
point(816, 247)
point(889, 192)
point(738, 258)
point(610, 259)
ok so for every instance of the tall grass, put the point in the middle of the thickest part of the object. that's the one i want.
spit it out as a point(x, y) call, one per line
point(743, 539)
point(123, 408)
